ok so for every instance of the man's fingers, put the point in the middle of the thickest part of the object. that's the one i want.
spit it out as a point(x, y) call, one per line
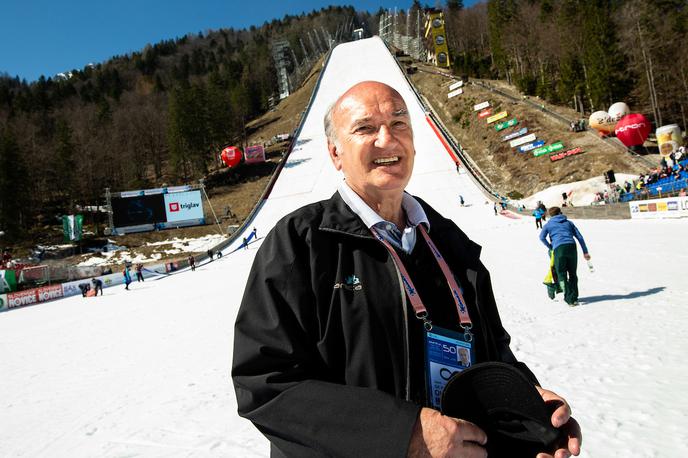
point(470, 432)
point(575, 437)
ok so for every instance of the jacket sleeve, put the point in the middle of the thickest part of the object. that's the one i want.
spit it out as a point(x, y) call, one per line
point(579, 237)
point(281, 381)
point(543, 237)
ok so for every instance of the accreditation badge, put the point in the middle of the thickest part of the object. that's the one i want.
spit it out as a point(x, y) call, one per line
point(446, 353)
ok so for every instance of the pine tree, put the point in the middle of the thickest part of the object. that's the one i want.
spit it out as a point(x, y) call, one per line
point(13, 193)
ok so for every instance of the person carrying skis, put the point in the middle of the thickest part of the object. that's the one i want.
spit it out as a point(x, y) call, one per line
point(561, 233)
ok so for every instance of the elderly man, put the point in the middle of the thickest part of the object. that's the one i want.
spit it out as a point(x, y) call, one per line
point(329, 350)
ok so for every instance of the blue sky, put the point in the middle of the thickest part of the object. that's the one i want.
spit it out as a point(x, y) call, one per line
point(40, 37)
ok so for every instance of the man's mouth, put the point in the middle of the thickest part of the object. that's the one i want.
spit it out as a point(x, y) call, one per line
point(386, 160)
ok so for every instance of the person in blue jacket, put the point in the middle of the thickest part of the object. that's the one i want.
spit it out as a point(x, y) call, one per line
point(561, 234)
point(538, 218)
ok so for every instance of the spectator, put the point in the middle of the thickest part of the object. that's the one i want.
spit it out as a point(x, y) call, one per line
point(192, 262)
point(6, 258)
point(254, 233)
point(682, 192)
point(219, 254)
point(495, 208)
point(562, 233)
point(139, 272)
point(537, 213)
point(245, 243)
point(127, 277)
point(543, 209)
point(461, 201)
point(211, 254)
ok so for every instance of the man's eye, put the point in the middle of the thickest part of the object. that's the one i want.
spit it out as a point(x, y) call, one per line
point(364, 129)
point(399, 125)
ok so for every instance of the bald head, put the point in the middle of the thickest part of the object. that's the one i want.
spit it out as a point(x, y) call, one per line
point(365, 92)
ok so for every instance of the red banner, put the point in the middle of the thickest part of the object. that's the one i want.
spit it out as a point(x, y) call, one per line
point(48, 293)
point(485, 113)
point(571, 152)
point(22, 298)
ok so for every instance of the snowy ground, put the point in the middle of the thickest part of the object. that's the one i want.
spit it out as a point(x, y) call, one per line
point(146, 372)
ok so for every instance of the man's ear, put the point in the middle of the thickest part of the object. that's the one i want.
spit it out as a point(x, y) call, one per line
point(334, 155)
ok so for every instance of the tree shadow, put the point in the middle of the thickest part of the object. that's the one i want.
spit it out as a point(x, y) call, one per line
point(302, 141)
point(613, 297)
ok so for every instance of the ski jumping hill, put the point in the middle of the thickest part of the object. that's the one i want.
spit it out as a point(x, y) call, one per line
point(145, 372)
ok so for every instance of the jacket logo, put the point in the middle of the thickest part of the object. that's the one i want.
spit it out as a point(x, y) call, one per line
point(351, 283)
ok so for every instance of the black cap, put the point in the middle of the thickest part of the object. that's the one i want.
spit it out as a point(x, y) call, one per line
point(500, 400)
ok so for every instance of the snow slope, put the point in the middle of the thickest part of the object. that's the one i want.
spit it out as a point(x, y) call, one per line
point(146, 372)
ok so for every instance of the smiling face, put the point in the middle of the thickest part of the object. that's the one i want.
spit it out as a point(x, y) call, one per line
point(373, 141)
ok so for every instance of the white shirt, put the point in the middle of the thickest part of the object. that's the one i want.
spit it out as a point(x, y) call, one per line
point(406, 239)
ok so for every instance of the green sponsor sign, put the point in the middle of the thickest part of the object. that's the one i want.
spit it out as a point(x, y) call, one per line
point(548, 149)
point(506, 124)
point(72, 227)
point(8, 281)
point(3, 302)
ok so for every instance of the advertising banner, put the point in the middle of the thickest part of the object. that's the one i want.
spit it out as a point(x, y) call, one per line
point(548, 149)
point(497, 117)
point(48, 293)
point(513, 135)
point(8, 281)
point(182, 206)
point(22, 298)
point(531, 146)
point(72, 226)
point(481, 106)
point(571, 152)
point(669, 138)
point(503, 125)
point(671, 207)
point(72, 288)
point(455, 93)
point(456, 85)
point(137, 210)
point(522, 140)
point(255, 153)
point(485, 113)
point(3, 302)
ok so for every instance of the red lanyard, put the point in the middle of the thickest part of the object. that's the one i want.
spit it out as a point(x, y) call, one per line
point(416, 302)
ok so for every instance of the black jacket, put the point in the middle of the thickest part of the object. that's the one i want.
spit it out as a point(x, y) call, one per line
point(324, 333)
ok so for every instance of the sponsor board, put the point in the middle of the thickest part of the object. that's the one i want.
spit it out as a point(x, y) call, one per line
point(481, 106)
point(503, 125)
point(456, 85)
point(548, 149)
point(22, 298)
point(513, 135)
point(3, 302)
point(671, 207)
point(182, 206)
point(49, 293)
point(497, 117)
point(254, 154)
point(567, 153)
point(71, 288)
point(522, 140)
point(485, 113)
point(455, 93)
point(531, 146)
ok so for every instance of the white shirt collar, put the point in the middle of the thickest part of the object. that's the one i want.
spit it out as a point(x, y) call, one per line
point(414, 211)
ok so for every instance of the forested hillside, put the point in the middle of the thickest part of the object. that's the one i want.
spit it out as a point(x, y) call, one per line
point(154, 117)
point(587, 54)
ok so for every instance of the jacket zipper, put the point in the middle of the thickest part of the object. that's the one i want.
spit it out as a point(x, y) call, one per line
point(404, 306)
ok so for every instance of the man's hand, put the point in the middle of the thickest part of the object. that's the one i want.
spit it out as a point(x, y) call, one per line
point(436, 435)
point(561, 418)
point(586, 256)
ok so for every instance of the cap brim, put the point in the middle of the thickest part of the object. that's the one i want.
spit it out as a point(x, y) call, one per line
point(499, 399)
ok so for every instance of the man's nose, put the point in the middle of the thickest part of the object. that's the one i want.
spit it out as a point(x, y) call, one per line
point(385, 137)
